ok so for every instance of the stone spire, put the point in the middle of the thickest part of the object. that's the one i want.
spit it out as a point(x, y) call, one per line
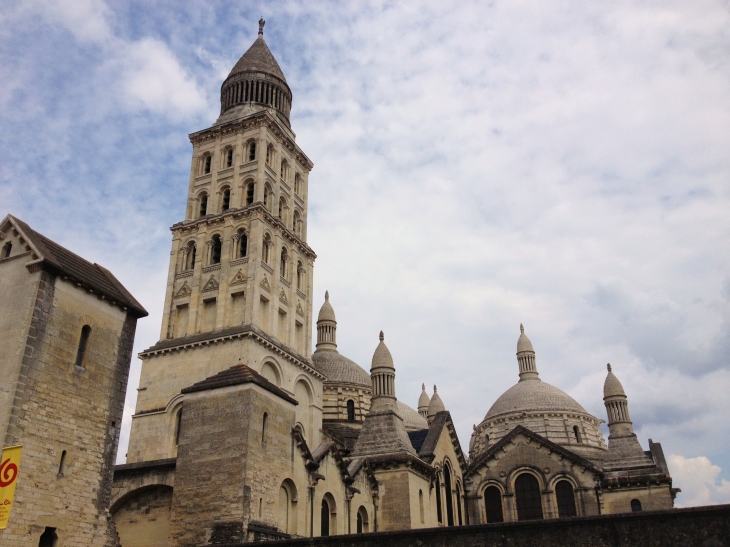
point(383, 431)
point(617, 405)
point(326, 326)
point(526, 357)
point(423, 402)
point(436, 405)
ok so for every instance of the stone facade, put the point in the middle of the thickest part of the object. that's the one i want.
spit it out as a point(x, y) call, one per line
point(67, 328)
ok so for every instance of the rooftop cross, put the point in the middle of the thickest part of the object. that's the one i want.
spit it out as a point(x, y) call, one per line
point(261, 26)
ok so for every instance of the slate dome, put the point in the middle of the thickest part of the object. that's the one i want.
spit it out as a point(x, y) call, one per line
point(339, 369)
point(532, 396)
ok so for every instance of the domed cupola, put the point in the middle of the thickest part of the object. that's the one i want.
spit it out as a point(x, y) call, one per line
point(436, 405)
point(423, 401)
point(526, 357)
point(255, 83)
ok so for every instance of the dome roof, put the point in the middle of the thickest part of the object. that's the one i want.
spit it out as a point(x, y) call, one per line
point(523, 343)
point(339, 369)
point(412, 420)
point(612, 386)
point(326, 312)
point(531, 396)
point(382, 356)
point(436, 404)
point(258, 58)
point(423, 400)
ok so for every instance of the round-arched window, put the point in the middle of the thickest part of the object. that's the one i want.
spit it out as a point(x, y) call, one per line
point(529, 502)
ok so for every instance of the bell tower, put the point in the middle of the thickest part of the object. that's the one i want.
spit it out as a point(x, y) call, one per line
point(239, 283)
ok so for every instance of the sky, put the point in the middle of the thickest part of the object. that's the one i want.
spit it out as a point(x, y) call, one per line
point(478, 165)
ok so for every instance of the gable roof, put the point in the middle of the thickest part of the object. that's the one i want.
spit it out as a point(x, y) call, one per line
point(61, 261)
point(440, 421)
point(521, 430)
point(417, 438)
point(237, 375)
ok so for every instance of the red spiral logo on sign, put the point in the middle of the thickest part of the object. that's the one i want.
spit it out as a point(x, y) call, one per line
point(7, 473)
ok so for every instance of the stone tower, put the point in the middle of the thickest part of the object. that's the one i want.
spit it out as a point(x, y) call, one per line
point(240, 275)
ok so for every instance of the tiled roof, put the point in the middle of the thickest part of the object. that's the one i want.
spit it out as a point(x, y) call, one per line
point(531, 396)
point(91, 275)
point(258, 58)
point(339, 369)
point(236, 375)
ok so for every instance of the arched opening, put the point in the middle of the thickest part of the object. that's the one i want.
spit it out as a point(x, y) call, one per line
point(282, 209)
point(493, 503)
point(229, 157)
point(458, 504)
point(242, 243)
point(287, 507)
point(265, 248)
point(267, 197)
point(350, 410)
point(249, 193)
point(363, 526)
point(529, 502)
point(83, 342)
point(215, 250)
point(252, 151)
point(635, 506)
point(268, 371)
point(206, 164)
point(203, 204)
point(303, 411)
point(296, 223)
point(300, 275)
point(190, 261)
point(62, 463)
point(283, 262)
point(576, 433)
point(226, 203)
point(298, 184)
point(49, 538)
point(421, 510)
point(178, 423)
point(439, 511)
point(269, 154)
point(449, 496)
point(566, 499)
point(325, 515)
point(263, 427)
point(7, 248)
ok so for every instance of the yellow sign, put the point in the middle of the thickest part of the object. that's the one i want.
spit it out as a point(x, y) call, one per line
point(9, 465)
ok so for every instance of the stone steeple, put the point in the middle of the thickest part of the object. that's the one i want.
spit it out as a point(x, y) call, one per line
point(383, 431)
point(526, 357)
point(326, 325)
point(423, 402)
point(436, 405)
point(623, 446)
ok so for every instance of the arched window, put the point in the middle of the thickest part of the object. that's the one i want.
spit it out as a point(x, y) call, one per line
point(6, 250)
point(265, 248)
point(283, 169)
point(493, 503)
point(566, 499)
point(242, 243)
point(283, 263)
point(297, 223)
point(449, 496)
point(325, 516)
point(527, 492)
point(252, 151)
point(178, 422)
point(267, 197)
point(225, 205)
point(263, 427)
point(203, 204)
point(206, 164)
point(282, 209)
point(350, 410)
point(576, 433)
point(458, 503)
point(439, 512)
point(420, 507)
point(62, 463)
point(300, 275)
point(269, 154)
point(215, 250)
point(229, 157)
point(83, 341)
point(190, 261)
point(362, 521)
point(249, 193)
point(635, 506)
point(298, 184)
point(49, 538)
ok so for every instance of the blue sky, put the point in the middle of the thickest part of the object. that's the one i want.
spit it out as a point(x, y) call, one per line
point(559, 164)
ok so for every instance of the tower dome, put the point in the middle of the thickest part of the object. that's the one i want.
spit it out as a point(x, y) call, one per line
point(256, 83)
point(436, 405)
point(612, 386)
point(326, 312)
point(423, 401)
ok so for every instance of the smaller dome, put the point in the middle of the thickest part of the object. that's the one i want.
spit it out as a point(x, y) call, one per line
point(326, 312)
point(436, 404)
point(424, 400)
point(339, 369)
point(523, 343)
point(412, 420)
point(382, 356)
point(612, 386)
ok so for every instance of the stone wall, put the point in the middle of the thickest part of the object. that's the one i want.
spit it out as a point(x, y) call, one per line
point(695, 527)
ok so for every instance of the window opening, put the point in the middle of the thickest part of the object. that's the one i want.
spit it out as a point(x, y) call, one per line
point(49, 538)
point(359, 523)
point(206, 164)
point(282, 204)
point(178, 423)
point(635, 506)
point(6, 250)
point(296, 222)
point(420, 506)
point(61, 463)
point(576, 432)
point(263, 427)
point(529, 503)
point(242, 244)
point(458, 503)
point(215, 250)
point(249, 194)
point(83, 341)
point(229, 158)
point(300, 275)
point(191, 256)
point(493, 503)
point(252, 151)
point(283, 263)
point(566, 499)
point(203, 205)
point(266, 248)
point(226, 200)
point(350, 410)
point(449, 496)
point(439, 514)
point(267, 193)
point(325, 517)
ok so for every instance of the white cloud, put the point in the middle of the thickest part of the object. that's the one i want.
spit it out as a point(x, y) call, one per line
point(699, 480)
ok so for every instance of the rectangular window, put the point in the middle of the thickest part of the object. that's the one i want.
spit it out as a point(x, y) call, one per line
point(209, 313)
point(238, 303)
point(181, 321)
point(283, 331)
point(264, 313)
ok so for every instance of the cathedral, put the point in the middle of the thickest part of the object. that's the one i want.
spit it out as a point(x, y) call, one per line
point(244, 432)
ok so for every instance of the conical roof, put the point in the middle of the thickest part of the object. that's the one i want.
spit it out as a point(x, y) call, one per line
point(523, 343)
point(423, 400)
point(612, 386)
point(436, 404)
point(382, 356)
point(258, 58)
point(326, 312)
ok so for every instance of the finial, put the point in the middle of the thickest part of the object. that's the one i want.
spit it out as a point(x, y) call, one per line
point(608, 366)
point(423, 387)
point(326, 295)
point(261, 26)
point(381, 336)
point(434, 388)
point(522, 329)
